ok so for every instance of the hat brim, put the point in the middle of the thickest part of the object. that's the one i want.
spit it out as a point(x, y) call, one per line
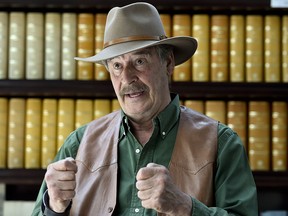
point(184, 48)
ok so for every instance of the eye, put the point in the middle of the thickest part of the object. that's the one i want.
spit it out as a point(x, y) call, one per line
point(140, 61)
point(117, 66)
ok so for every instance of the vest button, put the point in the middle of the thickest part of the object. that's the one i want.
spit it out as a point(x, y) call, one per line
point(110, 209)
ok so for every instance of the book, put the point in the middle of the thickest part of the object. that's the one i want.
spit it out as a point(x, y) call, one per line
point(272, 48)
point(279, 135)
point(68, 45)
point(3, 131)
point(284, 44)
point(33, 133)
point(197, 105)
point(237, 48)
point(219, 48)
point(16, 133)
point(66, 119)
point(100, 72)
point(259, 135)
point(201, 58)
point(83, 112)
point(3, 44)
point(237, 119)
point(49, 131)
point(85, 45)
point(34, 45)
point(52, 45)
point(167, 23)
point(16, 60)
point(181, 26)
point(102, 107)
point(254, 48)
point(115, 105)
point(216, 110)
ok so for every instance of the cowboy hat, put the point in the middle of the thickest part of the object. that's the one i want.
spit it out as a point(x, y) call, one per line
point(136, 26)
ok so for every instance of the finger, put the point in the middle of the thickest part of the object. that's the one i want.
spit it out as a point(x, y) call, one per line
point(68, 164)
point(149, 171)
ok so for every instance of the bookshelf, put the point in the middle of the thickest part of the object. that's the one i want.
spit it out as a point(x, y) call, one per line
point(272, 186)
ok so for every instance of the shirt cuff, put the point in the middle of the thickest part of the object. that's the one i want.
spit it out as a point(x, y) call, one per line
point(49, 212)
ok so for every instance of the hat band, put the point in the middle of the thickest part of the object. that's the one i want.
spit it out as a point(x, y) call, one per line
point(133, 38)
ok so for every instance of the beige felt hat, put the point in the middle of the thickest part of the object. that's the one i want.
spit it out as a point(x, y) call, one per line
point(137, 26)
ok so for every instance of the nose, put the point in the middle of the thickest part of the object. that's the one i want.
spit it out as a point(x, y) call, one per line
point(129, 75)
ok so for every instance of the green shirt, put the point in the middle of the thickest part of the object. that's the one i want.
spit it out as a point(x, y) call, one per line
point(235, 190)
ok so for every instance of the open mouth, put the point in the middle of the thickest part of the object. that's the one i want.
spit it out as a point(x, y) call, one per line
point(135, 94)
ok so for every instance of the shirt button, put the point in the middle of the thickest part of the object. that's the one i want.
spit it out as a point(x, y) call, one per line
point(137, 151)
point(137, 210)
point(163, 133)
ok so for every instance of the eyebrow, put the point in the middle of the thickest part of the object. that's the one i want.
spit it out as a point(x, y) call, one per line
point(145, 51)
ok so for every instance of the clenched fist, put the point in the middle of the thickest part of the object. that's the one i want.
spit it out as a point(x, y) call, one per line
point(158, 192)
point(60, 180)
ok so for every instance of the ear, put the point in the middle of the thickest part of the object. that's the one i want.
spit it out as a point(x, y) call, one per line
point(170, 64)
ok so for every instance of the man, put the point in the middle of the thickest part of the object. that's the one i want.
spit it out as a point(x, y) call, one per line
point(152, 157)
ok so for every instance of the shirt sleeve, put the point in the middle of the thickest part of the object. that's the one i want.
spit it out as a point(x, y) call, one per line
point(234, 186)
point(68, 149)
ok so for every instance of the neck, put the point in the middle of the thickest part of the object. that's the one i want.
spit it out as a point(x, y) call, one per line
point(142, 131)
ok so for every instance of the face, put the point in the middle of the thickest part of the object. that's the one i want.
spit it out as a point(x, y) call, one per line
point(141, 82)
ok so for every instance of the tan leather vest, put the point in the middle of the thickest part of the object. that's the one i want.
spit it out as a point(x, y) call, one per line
point(191, 166)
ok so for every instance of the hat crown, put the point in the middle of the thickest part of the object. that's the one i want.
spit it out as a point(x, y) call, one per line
point(138, 19)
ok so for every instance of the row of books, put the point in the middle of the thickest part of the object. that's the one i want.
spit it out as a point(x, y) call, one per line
point(33, 129)
point(235, 48)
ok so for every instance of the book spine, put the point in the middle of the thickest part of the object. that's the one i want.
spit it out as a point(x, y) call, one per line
point(84, 112)
point(85, 31)
point(167, 23)
point(68, 51)
point(16, 133)
point(237, 48)
point(16, 60)
point(34, 45)
point(219, 47)
point(237, 119)
point(66, 119)
point(100, 70)
point(3, 44)
point(182, 26)
point(33, 133)
point(272, 48)
point(259, 135)
point(285, 48)
point(197, 105)
point(3, 131)
point(49, 129)
point(254, 48)
point(115, 105)
point(52, 45)
point(279, 135)
point(216, 110)
point(101, 107)
point(201, 58)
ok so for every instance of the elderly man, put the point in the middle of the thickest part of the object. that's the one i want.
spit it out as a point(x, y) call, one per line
point(153, 157)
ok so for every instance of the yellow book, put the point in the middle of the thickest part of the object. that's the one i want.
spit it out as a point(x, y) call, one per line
point(237, 118)
point(167, 23)
point(285, 48)
point(66, 120)
point(3, 44)
point(279, 135)
point(219, 48)
point(237, 48)
point(16, 133)
point(16, 45)
point(85, 31)
point(201, 58)
point(216, 110)
point(49, 131)
point(115, 105)
point(3, 131)
point(33, 133)
point(52, 45)
point(102, 107)
point(100, 71)
point(197, 105)
point(258, 134)
point(181, 24)
point(68, 46)
point(34, 45)
point(254, 48)
point(83, 112)
point(272, 48)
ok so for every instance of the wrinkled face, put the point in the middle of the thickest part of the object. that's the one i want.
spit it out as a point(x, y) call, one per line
point(141, 82)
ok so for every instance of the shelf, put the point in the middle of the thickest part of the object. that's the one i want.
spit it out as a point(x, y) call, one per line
point(104, 89)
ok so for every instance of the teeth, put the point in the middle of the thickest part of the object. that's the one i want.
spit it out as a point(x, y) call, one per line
point(134, 95)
